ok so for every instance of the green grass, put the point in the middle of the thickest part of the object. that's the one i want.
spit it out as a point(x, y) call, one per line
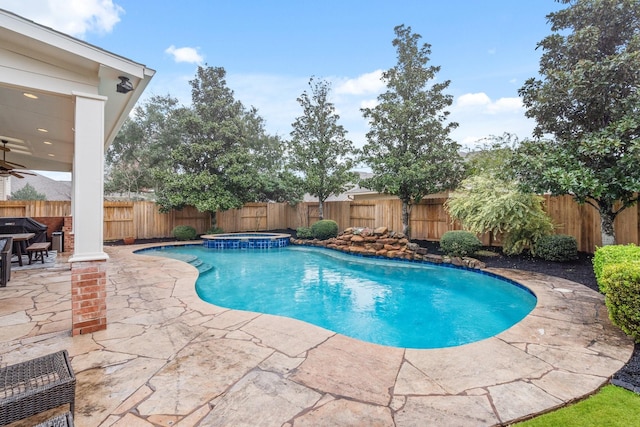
point(611, 406)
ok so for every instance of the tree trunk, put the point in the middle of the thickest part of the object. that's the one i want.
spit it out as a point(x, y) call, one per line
point(406, 215)
point(606, 225)
point(320, 209)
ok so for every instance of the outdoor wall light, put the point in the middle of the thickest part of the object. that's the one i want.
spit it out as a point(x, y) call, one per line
point(125, 85)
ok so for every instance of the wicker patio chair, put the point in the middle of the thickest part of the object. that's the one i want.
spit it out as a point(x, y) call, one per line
point(62, 420)
point(37, 385)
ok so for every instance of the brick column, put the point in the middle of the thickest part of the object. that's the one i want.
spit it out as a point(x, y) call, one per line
point(88, 297)
point(67, 230)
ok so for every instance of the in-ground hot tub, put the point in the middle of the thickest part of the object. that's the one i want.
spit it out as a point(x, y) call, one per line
point(246, 240)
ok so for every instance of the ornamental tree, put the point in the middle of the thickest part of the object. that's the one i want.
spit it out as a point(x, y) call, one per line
point(485, 203)
point(586, 105)
point(143, 146)
point(319, 148)
point(408, 147)
point(224, 157)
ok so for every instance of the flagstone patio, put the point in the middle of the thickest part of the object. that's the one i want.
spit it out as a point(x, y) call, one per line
point(170, 359)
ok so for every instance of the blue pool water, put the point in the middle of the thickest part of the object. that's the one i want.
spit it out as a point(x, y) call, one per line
point(400, 304)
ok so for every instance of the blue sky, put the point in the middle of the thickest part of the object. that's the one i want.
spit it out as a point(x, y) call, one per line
point(270, 49)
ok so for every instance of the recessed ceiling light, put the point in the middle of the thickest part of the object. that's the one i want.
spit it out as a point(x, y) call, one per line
point(30, 95)
point(51, 155)
point(47, 142)
point(42, 130)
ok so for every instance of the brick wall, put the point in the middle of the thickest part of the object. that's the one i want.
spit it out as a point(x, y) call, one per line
point(88, 297)
point(68, 238)
point(52, 223)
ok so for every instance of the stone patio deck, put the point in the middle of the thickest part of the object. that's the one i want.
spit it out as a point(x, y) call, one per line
point(170, 359)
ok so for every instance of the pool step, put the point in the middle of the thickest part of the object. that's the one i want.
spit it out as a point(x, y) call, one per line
point(180, 257)
point(204, 268)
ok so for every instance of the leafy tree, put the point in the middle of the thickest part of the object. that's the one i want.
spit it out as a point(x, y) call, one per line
point(143, 146)
point(219, 162)
point(493, 156)
point(487, 204)
point(269, 163)
point(319, 147)
point(408, 146)
point(586, 104)
point(28, 192)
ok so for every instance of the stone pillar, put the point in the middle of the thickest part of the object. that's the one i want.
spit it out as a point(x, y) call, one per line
point(88, 297)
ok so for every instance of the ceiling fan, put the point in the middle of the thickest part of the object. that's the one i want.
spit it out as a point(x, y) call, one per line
point(9, 168)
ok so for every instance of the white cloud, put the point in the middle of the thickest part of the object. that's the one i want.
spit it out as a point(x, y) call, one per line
point(364, 84)
point(185, 54)
point(506, 105)
point(73, 17)
point(480, 117)
point(481, 103)
point(369, 103)
point(472, 100)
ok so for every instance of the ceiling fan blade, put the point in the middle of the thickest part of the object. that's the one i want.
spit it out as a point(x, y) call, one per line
point(4, 148)
point(14, 165)
point(24, 172)
point(16, 174)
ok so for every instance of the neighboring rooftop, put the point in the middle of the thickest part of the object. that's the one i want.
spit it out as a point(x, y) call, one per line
point(52, 189)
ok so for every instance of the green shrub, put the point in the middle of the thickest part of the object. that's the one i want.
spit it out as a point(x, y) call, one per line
point(324, 229)
point(613, 254)
point(622, 282)
point(460, 243)
point(557, 247)
point(214, 230)
point(304, 233)
point(184, 232)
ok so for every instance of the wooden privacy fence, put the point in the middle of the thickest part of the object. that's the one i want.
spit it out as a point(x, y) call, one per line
point(141, 220)
point(429, 220)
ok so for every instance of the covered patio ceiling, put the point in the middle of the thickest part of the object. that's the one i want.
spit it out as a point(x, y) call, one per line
point(40, 73)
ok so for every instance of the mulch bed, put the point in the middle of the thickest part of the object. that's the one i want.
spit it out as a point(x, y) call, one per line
point(580, 270)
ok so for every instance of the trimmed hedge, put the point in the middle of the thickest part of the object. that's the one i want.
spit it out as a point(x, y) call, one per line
point(613, 254)
point(324, 229)
point(304, 233)
point(460, 243)
point(184, 232)
point(622, 282)
point(557, 247)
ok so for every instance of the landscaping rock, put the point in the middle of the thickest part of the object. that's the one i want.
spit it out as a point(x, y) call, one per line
point(382, 242)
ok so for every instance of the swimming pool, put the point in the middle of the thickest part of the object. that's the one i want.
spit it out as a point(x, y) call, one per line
point(393, 303)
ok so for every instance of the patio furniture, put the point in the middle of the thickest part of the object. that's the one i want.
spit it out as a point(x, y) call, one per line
point(39, 250)
point(62, 420)
point(19, 241)
point(36, 385)
point(6, 245)
point(19, 225)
